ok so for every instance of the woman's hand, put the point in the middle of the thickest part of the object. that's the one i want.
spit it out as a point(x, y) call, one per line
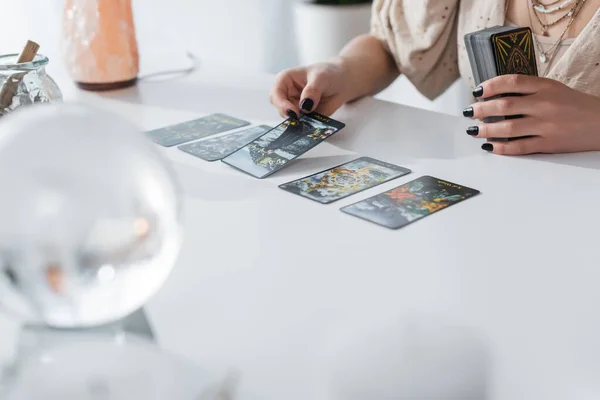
point(364, 67)
point(559, 119)
point(318, 87)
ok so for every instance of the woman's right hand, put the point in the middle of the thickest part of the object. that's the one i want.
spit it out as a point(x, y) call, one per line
point(318, 87)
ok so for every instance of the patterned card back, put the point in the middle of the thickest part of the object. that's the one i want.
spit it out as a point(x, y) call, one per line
point(514, 52)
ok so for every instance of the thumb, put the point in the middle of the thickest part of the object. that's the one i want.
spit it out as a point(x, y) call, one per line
point(312, 93)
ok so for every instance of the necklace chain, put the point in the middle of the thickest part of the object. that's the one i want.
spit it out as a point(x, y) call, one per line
point(554, 48)
point(545, 26)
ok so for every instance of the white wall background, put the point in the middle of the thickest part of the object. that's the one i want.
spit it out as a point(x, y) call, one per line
point(249, 35)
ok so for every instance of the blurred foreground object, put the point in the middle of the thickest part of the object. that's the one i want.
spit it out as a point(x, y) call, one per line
point(94, 367)
point(23, 80)
point(413, 357)
point(99, 44)
point(89, 217)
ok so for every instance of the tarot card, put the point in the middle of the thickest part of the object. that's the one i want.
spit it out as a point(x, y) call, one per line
point(410, 202)
point(283, 144)
point(514, 52)
point(195, 129)
point(473, 56)
point(214, 149)
point(501, 50)
point(345, 180)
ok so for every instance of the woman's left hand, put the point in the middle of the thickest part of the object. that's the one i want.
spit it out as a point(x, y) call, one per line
point(559, 119)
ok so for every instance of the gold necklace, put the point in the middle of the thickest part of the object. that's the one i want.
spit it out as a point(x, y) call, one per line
point(554, 48)
point(544, 25)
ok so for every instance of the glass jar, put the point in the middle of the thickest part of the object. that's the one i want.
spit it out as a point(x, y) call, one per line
point(25, 83)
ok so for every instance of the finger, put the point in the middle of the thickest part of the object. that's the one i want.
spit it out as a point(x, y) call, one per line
point(310, 98)
point(279, 99)
point(516, 147)
point(283, 93)
point(501, 107)
point(504, 84)
point(510, 128)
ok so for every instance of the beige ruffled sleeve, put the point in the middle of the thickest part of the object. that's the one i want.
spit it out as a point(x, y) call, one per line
point(422, 37)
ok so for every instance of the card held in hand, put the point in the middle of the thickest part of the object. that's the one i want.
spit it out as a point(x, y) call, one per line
point(501, 50)
point(514, 52)
point(283, 144)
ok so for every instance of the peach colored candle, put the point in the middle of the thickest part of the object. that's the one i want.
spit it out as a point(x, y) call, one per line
point(99, 44)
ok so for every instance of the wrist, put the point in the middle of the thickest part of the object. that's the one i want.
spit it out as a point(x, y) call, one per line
point(342, 63)
point(350, 86)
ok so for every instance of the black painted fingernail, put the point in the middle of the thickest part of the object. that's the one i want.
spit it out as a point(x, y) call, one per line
point(307, 105)
point(478, 91)
point(487, 147)
point(468, 112)
point(292, 114)
point(473, 130)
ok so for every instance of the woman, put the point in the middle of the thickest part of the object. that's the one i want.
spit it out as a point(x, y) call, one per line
point(423, 39)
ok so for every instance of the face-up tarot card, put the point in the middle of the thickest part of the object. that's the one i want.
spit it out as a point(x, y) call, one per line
point(345, 180)
point(216, 148)
point(195, 129)
point(276, 148)
point(410, 202)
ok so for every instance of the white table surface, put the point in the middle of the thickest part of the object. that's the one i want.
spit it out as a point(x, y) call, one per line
point(498, 294)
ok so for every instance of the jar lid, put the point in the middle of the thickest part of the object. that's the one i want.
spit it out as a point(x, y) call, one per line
point(8, 62)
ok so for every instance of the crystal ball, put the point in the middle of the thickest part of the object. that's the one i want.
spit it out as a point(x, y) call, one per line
point(97, 368)
point(89, 216)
